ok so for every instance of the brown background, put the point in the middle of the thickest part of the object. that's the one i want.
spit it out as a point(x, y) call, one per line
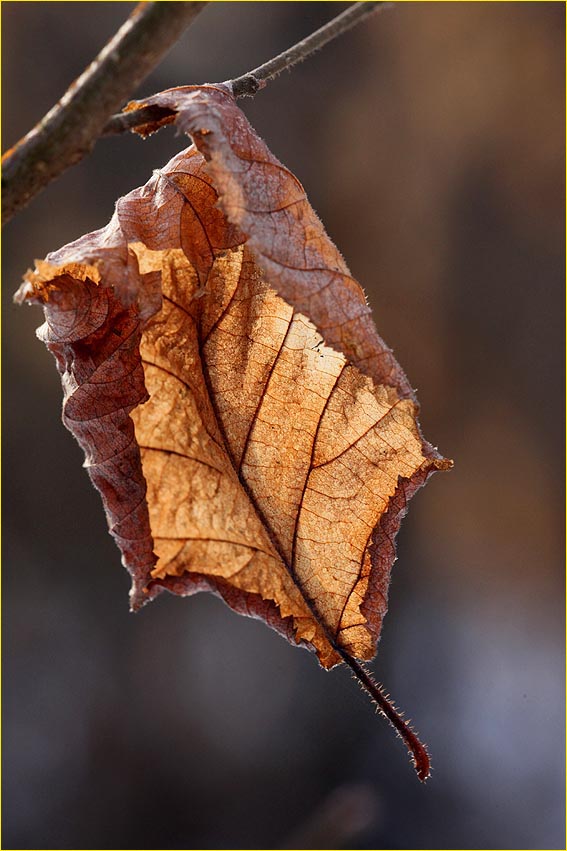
point(430, 142)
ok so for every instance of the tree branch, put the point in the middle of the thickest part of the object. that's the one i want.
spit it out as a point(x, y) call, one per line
point(248, 84)
point(69, 131)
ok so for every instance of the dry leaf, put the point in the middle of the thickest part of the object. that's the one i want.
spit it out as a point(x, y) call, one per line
point(249, 431)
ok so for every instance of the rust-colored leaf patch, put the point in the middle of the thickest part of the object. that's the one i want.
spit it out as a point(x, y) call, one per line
point(249, 431)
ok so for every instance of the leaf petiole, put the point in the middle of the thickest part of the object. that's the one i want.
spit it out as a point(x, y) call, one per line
point(417, 749)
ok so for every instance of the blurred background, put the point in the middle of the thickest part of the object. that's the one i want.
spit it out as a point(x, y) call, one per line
point(430, 141)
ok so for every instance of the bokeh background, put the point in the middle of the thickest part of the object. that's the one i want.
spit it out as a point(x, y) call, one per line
point(430, 141)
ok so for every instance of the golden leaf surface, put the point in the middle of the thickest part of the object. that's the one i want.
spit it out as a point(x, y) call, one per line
point(248, 429)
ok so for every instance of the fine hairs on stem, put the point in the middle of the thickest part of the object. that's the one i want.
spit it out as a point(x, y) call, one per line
point(385, 706)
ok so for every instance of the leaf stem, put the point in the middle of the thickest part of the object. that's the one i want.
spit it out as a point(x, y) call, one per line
point(70, 129)
point(248, 84)
point(404, 730)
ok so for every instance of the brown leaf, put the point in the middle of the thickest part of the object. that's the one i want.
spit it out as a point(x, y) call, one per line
point(249, 431)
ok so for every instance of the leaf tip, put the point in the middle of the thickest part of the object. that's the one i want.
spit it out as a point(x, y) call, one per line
point(139, 596)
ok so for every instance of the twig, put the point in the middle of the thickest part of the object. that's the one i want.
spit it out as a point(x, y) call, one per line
point(69, 130)
point(248, 84)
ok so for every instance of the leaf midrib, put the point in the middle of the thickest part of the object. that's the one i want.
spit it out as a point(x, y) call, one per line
point(259, 513)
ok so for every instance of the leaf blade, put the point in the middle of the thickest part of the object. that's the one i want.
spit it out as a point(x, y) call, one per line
point(249, 431)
